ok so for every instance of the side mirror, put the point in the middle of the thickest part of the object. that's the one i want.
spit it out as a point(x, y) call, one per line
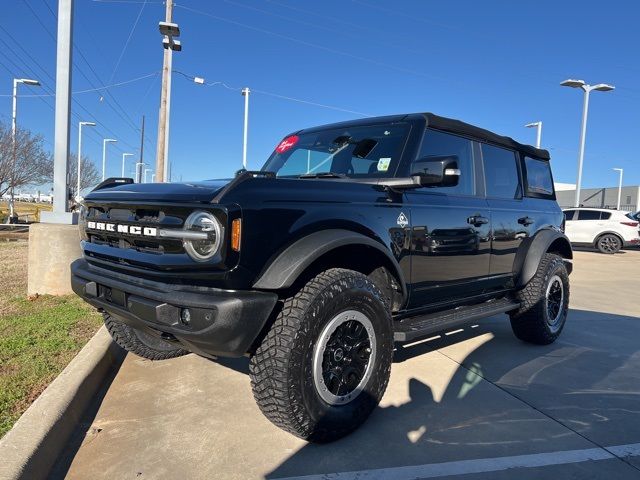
point(437, 171)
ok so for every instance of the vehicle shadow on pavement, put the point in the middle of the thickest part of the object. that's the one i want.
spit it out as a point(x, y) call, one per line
point(503, 398)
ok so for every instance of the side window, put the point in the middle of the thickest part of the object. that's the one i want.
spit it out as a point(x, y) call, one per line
point(439, 144)
point(568, 214)
point(605, 215)
point(501, 172)
point(539, 181)
point(588, 215)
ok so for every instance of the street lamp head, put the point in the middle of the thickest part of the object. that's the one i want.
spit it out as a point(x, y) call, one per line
point(245, 91)
point(603, 87)
point(127, 155)
point(198, 80)
point(533, 124)
point(110, 140)
point(88, 124)
point(170, 29)
point(618, 169)
point(573, 83)
point(28, 81)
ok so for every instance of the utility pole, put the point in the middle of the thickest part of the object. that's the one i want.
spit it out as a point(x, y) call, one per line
point(141, 145)
point(169, 30)
point(245, 94)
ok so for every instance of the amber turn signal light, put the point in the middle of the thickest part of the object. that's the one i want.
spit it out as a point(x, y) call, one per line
point(236, 233)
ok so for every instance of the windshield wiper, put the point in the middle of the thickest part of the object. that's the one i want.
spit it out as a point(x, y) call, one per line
point(323, 175)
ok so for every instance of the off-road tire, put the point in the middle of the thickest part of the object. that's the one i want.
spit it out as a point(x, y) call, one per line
point(281, 369)
point(141, 343)
point(530, 322)
point(609, 244)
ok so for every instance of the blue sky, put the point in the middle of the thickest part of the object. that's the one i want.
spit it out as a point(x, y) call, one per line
point(496, 64)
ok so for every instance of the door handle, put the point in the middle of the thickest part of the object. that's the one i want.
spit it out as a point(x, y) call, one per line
point(477, 220)
point(526, 221)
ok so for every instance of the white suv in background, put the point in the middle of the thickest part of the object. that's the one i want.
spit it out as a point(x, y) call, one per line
point(607, 230)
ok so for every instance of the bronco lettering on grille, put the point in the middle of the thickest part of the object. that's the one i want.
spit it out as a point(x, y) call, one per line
point(127, 229)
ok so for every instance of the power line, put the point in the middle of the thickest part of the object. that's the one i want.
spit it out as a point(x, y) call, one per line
point(126, 44)
point(317, 46)
point(275, 95)
point(122, 113)
point(98, 89)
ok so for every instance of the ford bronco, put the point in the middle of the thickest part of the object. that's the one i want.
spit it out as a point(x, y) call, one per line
point(353, 236)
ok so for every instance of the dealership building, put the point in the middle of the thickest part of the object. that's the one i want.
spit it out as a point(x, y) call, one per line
point(599, 197)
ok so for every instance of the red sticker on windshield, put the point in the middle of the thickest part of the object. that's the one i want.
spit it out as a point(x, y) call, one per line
point(287, 143)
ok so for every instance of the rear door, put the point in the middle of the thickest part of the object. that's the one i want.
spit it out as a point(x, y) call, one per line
point(513, 216)
point(450, 239)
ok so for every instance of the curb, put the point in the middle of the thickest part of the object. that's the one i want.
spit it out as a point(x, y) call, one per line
point(32, 447)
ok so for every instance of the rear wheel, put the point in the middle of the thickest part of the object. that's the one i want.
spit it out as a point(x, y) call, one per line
point(609, 243)
point(544, 303)
point(324, 364)
point(144, 344)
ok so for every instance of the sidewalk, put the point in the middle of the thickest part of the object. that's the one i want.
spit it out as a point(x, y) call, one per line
point(453, 406)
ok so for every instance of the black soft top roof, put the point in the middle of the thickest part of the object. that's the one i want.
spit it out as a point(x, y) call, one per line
point(446, 124)
point(456, 126)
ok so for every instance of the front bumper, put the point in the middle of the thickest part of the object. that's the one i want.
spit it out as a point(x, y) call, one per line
point(222, 322)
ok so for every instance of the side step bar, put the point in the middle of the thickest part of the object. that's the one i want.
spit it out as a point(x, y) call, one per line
point(423, 325)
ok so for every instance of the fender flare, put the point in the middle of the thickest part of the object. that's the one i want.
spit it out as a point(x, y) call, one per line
point(293, 260)
point(532, 250)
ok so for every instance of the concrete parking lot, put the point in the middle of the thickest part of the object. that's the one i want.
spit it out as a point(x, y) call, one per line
point(474, 404)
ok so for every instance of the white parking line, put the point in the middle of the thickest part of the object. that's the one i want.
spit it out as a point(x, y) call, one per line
point(481, 465)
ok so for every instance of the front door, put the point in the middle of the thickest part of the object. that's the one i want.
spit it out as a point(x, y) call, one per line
point(450, 228)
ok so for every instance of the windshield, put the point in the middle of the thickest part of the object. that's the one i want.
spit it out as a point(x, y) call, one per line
point(355, 152)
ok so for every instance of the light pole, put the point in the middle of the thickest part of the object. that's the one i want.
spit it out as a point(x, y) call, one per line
point(245, 94)
point(145, 174)
point(104, 154)
point(80, 125)
point(14, 125)
point(124, 156)
point(538, 126)
point(600, 87)
point(153, 177)
point(621, 170)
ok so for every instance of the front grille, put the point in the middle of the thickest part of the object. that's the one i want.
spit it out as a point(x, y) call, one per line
point(160, 217)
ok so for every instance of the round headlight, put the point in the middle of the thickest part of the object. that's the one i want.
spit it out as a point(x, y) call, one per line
point(207, 233)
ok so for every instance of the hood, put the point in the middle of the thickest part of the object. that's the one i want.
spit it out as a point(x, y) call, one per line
point(198, 192)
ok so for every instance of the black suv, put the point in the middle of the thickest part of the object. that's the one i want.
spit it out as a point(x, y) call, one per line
point(353, 236)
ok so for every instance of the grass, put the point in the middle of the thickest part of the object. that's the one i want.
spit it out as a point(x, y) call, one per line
point(38, 336)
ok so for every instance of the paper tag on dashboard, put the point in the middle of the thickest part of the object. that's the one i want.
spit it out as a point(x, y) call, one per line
point(383, 164)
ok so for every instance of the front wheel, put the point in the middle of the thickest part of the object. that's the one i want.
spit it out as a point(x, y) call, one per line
point(544, 303)
point(324, 364)
point(609, 243)
point(140, 342)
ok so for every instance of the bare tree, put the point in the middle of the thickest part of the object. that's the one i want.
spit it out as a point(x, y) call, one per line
point(33, 164)
point(89, 174)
